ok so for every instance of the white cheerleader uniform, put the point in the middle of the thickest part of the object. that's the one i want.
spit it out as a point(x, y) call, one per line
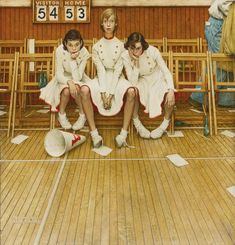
point(66, 69)
point(153, 79)
point(106, 55)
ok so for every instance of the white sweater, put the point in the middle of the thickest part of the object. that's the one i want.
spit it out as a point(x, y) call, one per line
point(219, 8)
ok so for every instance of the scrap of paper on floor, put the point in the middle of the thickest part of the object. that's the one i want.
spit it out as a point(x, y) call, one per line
point(103, 150)
point(177, 160)
point(176, 134)
point(19, 139)
point(231, 190)
point(228, 133)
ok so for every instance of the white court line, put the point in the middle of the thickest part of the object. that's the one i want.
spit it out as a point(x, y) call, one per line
point(50, 201)
point(114, 159)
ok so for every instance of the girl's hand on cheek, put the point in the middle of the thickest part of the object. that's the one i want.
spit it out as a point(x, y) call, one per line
point(74, 55)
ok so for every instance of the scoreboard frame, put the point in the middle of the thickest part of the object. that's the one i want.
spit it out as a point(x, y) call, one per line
point(61, 11)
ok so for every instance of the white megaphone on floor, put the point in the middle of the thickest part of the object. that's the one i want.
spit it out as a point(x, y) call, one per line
point(58, 142)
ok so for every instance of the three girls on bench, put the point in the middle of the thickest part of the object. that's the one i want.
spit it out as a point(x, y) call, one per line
point(109, 88)
point(71, 59)
point(148, 73)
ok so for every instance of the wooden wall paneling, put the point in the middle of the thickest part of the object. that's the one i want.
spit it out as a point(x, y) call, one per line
point(98, 32)
point(94, 18)
point(144, 23)
point(132, 23)
point(90, 27)
point(159, 34)
point(12, 22)
point(197, 20)
point(119, 32)
point(155, 30)
point(86, 31)
point(153, 22)
point(170, 24)
point(173, 23)
point(18, 24)
point(149, 15)
point(183, 23)
point(137, 20)
point(24, 22)
point(126, 28)
point(2, 27)
point(140, 24)
point(97, 21)
point(7, 23)
point(178, 22)
point(187, 21)
point(165, 22)
point(132, 20)
point(54, 30)
point(203, 18)
point(193, 23)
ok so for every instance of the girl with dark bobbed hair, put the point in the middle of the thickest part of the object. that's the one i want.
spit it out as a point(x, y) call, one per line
point(72, 35)
point(147, 71)
point(71, 60)
point(134, 38)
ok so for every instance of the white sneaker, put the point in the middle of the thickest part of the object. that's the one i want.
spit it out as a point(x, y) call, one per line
point(141, 130)
point(79, 123)
point(120, 141)
point(97, 140)
point(64, 122)
point(157, 133)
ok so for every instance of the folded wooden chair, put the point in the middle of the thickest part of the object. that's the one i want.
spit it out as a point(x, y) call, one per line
point(46, 46)
point(222, 69)
point(182, 45)
point(158, 43)
point(8, 68)
point(191, 74)
point(26, 90)
point(203, 45)
point(12, 46)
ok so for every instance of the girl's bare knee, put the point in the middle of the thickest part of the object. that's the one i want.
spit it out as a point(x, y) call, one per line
point(66, 92)
point(85, 92)
point(131, 93)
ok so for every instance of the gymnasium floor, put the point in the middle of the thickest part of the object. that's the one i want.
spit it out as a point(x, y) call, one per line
point(132, 196)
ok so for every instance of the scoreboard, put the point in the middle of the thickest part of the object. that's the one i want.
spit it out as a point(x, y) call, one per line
point(61, 11)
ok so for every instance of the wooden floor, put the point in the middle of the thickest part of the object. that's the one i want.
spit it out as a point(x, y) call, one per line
point(132, 196)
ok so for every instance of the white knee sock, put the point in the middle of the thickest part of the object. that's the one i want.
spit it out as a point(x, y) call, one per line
point(94, 132)
point(124, 133)
point(82, 115)
point(164, 124)
point(136, 119)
